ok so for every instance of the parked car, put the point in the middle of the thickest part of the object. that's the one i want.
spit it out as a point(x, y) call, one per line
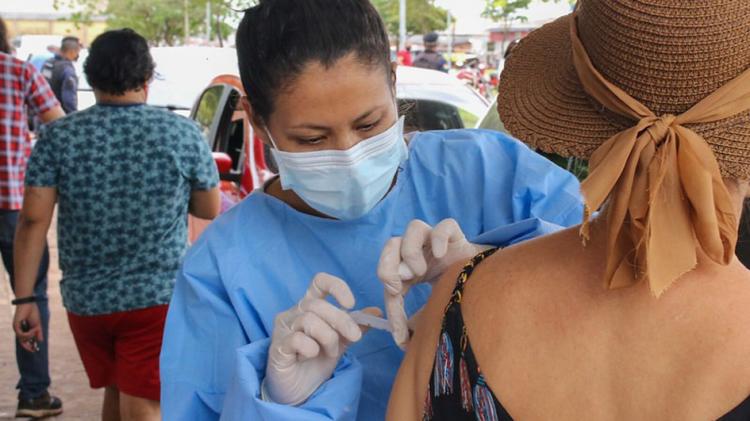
point(430, 100)
point(434, 100)
point(181, 74)
point(491, 121)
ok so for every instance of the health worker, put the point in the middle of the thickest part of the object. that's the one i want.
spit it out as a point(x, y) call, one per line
point(259, 325)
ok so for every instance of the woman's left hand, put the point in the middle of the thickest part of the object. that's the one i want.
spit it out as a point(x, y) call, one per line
point(421, 255)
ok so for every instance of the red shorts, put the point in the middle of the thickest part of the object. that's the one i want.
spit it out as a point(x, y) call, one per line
point(122, 349)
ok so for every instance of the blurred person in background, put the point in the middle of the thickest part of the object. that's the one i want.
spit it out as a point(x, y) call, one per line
point(430, 58)
point(38, 60)
point(125, 176)
point(405, 57)
point(60, 72)
point(22, 88)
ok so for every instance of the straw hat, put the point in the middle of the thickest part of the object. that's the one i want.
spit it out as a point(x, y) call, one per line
point(667, 54)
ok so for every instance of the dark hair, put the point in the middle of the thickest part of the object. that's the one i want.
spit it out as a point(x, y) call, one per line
point(277, 38)
point(70, 43)
point(4, 43)
point(430, 38)
point(118, 61)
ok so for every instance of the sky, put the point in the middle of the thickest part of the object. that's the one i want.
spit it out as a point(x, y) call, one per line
point(27, 6)
point(467, 12)
point(469, 20)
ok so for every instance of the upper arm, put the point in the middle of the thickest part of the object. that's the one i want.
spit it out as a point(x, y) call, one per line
point(70, 80)
point(39, 95)
point(205, 204)
point(198, 168)
point(489, 180)
point(546, 191)
point(195, 160)
point(524, 183)
point(52, 114)
point(202, 331)
point(70, 89)
point(41, 181)
point(39, 204)
point(43, 167)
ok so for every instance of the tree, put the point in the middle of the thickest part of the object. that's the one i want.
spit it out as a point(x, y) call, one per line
point(161, 22)
point(422, 16)
point(507, 12)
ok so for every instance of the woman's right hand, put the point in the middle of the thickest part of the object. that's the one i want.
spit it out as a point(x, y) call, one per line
point(308, 340)
point(31, 333)
point(423, 254)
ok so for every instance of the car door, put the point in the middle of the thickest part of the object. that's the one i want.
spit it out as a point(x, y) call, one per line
point(422, 115)
point(208, 110)
point(229, 136)
point(210, 113)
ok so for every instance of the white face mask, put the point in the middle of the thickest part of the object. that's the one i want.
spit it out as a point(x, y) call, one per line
point(344, 184)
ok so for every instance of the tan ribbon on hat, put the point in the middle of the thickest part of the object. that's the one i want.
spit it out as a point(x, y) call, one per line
point(664, 182)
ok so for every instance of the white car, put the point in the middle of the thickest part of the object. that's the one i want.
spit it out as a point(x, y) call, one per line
point(181, 74)
point(434, 100)
point(431, 100)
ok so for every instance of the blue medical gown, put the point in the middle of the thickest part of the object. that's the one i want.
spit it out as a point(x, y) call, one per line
point(258, 259)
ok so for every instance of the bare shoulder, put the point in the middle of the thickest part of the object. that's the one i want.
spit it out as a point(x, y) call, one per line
point(721, 295)
point(532, 268)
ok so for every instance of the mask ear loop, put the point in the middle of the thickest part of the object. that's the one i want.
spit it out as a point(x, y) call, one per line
point(268, 133)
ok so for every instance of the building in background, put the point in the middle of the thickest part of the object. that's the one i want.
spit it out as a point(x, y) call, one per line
point(48, 26)
point(35, 24)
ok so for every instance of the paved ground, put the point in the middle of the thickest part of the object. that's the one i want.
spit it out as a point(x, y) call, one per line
point(69, 381)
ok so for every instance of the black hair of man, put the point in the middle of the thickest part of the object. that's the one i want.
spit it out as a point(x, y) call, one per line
point(276, 39)
point(118, 61)
point(4, 42)
point(430, 38)
point(70, 44)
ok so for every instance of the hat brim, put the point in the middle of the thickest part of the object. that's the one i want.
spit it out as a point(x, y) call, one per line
point(541, 102)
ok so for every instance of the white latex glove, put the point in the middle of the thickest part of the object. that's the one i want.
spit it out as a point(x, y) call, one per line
point(308, 341)
point(421, 255)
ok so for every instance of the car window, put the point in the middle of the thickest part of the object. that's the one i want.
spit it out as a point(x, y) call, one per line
point(230, 134)
point(577, 166)
point(205, 113)
point(468, 118)
point(491, 120)
point(429, 115)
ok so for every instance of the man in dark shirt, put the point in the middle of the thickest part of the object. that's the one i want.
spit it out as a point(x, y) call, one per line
point(61, 74)
point(430, 58)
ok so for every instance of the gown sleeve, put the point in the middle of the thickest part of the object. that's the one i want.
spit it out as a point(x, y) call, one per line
point(500, 191)
point(540, 197)
point(201, 333)
point(336, 399)
point(211, 370)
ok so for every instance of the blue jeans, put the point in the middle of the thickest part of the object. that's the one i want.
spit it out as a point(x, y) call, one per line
point(33, 367)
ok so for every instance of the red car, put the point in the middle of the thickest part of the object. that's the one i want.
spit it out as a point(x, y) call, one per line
point(239, 154)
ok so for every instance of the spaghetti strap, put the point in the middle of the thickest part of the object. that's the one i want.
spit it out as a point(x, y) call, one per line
point(457, 389)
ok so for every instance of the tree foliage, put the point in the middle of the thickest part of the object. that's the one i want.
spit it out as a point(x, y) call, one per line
point(422, 16)
point(507, 11)
point(161, 22)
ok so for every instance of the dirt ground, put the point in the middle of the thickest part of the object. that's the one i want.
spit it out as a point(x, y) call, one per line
point(69, 381)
